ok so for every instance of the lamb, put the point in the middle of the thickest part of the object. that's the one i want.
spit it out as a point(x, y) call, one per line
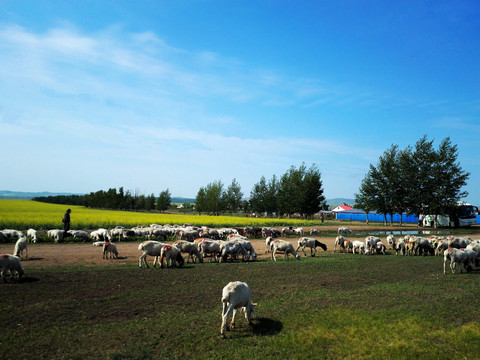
point(190, 248)
point(339, 240)
point(458, 243)
point(236, 295)
point(312, 244)
point(171, 255)
point(32, 235)
point(152, 248)
point(344, 231)
point(10, 264)
point(314, 232)
point(109, 249)
point(20, 247)
point(348, 246)
point(285, 247)
point(357, 244)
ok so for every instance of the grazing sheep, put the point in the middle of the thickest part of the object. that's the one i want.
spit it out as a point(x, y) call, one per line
point(32, 235)
point(98, 243)
point(344, 231)
point(109, 249)
point(357, 244)
point(236, 295)
point(340, 241)
point(268, 242)
point(424, 246)
point(287, 231)
point(458, 243)
point(172, 256)
point(391, 241)
point(20, 247)
point(234, 249)
point(286, 247)
point(100, 234)
point(12, 234)
point(189, 248)
point(314, 232)
point(371, 243)
point(10, 264)
point(298, 231)
point(456, 257)
point(312, 244)
point(152, 248)
point(79, 234)
point(400, 246)
point(211, 247)
point(118, 231)
point(56, 235)
point(247, 245)
point(348, 246)
point(380, 248)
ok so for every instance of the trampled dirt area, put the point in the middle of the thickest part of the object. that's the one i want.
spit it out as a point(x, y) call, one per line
point(43, 255)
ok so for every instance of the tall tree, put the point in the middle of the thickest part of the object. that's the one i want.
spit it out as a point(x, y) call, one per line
point(258, 196)
point(233, 196)
point(164, 200)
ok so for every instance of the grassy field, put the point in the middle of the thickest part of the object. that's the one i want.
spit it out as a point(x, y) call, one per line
point(23, 214)
point(335, 306)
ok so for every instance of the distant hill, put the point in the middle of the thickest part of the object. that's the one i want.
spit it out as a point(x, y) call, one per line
point(182, 200)
point(340, 201)
point(19, 195)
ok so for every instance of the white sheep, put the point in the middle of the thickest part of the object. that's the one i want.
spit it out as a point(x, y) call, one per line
point(20, 247)
point(286, 247)
point(391, 241)
point(209, 246)
point(79, 234)
point(314, 232)
point(380, 248)
point(456, 257)
point(10, 264)
point(247, 245)
point(236, 295)
point(189, 248)
point(357, 244)
point(298, 231)
point(234, 249)
point(268, 242)
point(98, 243)
point(371, 243)
point(344, 231)
point(340, 241)
point(109, 249)
point(312, 244)
point(32, 235)
point(101, 234)
point(400, 246)
point(12, 234)
point(172, 256)
point(152, 248)
point(56, 234)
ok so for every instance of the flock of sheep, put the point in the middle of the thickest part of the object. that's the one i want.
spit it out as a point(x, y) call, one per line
point(227, 243)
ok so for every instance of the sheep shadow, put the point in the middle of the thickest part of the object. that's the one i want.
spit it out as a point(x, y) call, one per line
point(265, 326)
point(28, 279)
point(33, 259)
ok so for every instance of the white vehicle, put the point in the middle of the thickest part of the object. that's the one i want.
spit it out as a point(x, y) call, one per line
point(464, 215)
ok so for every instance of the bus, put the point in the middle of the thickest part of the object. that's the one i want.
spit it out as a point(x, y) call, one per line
point(464, 214)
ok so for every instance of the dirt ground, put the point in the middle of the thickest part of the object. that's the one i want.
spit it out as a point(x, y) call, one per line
point(68, 254)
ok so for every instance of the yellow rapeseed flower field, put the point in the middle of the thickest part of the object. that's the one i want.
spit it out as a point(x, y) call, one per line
point(24, 214)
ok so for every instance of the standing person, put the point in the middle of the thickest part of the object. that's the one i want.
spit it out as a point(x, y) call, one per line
point(66, 221)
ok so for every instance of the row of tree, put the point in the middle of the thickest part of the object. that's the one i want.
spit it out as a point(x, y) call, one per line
point(113, 199)
point(419, 180)
point(298, 191)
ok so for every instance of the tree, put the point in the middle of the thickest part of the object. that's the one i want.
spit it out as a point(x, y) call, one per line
point(201, 200)
point(258, 196)
point(164, 200)
point(366, 196)
point(233, 196)
point(211, 198)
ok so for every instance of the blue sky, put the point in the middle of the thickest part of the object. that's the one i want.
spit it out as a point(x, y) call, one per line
point(151, 95)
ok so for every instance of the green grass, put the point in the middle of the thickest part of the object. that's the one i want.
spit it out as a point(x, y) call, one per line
point(335, 306)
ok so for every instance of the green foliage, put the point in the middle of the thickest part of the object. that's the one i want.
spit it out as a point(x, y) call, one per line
point(414, 180)
point(163, 201)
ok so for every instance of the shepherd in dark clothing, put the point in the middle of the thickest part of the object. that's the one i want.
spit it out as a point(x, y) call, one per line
point(66, 220)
